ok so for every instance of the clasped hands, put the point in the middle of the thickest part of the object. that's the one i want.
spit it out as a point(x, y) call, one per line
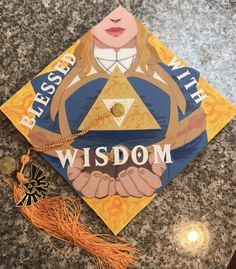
point(131, 181)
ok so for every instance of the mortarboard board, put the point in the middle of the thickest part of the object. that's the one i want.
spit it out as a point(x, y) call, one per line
point(118, 115)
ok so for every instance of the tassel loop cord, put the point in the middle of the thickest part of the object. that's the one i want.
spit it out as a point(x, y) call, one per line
point(58, 216)
point(72, 137)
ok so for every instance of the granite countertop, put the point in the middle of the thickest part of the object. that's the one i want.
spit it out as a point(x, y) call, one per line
point(202, 32)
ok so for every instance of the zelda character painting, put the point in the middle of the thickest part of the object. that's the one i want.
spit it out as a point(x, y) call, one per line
point(118, 115)
point(156, 127)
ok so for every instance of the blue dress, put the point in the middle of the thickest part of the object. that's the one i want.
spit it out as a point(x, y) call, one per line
point(156, 100)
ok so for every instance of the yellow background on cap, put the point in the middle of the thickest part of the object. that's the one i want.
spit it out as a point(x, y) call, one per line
point(117, 211)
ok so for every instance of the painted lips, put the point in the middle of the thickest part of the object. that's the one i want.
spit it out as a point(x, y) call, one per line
point(115, 31)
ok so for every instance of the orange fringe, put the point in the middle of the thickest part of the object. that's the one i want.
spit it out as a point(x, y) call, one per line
point(59, 217)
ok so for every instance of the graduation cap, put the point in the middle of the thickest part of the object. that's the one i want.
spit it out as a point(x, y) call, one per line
point(118, 115)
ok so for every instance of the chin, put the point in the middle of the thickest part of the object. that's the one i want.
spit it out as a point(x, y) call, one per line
point(116, 45)
point(116, 42)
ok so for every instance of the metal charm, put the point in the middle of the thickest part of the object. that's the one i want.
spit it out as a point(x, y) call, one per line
point(7, 165)
point(36, 187)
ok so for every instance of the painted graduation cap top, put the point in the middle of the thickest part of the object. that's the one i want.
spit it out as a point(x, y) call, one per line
point(163, 114)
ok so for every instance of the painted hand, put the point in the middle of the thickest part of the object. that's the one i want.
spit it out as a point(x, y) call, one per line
point(138, 182)
point(95, 184)
point(157, 168)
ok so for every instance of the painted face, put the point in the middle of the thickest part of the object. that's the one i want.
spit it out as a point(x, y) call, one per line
point(117, 29)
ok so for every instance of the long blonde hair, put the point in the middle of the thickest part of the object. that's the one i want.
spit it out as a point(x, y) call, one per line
point(148, 61)
point(146, 52)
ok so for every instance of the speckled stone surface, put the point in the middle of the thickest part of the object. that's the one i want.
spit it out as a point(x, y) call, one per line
point(202, 32)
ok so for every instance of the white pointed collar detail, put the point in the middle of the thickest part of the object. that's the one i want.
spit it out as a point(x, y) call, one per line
point(109, 59)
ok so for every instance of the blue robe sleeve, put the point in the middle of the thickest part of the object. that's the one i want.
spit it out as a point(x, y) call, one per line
point(192, 75)
point(185, 154)
point(40, 84)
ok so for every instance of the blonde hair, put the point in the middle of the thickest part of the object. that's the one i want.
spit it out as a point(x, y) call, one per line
point(148, 61)
point(146, 52)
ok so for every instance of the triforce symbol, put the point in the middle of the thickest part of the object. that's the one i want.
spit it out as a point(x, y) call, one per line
point(127, 103)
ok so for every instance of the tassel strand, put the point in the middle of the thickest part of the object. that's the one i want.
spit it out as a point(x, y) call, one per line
point(59, 217)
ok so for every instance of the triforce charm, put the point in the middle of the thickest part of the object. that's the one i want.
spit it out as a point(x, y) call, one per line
point(36, 187)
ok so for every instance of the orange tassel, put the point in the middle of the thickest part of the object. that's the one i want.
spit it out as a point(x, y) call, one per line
point(59, 217)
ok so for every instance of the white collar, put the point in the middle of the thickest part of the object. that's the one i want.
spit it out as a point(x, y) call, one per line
point(106, 58)
point(109, 59)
